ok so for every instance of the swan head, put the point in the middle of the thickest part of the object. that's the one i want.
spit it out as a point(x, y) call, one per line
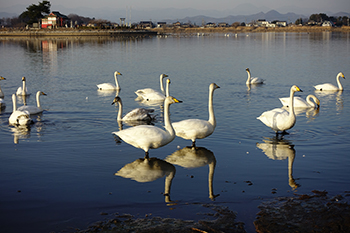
point(341, 75)
point(117, 99)
point(168, 81)
point(213, 86)
point(164, 76)
point(2, 78)
point(23, 79)
point(296, 88)
point(172, 100)
point(42, 93)
point(117, 73)
point(247, 70)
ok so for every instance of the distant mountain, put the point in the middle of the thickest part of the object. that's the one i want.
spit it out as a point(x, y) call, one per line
point(269, 16)
point(242, 13)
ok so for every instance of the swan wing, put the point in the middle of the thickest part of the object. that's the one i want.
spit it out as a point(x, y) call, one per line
point(193, 128)
point(152, 96)
point(326, 87)
point(274, 118)
point(139, 114)
point(31, 109)
point(256, 80)
point(298, 102)
point(145, 136)
point(106, 86)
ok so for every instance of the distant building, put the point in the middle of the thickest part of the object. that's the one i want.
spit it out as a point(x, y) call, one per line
point(327, 24)
point(161, 24)
point(54, 19)
point(222, 25)
point(146, 24)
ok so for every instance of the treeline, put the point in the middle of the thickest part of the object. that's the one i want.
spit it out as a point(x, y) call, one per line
point(319, 18)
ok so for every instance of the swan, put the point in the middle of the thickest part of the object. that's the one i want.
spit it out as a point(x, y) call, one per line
point(329, 86)
point(194, 157)
point(19, 117)
point(23, 90)
point(2, 93)
point(279, 119)
point(149, 136)
point(149, 169)
point(31, 108)
point(151, 94)
point(110, 86)
point(251, 80)
point(193, 129)
point(137, 114)
point(301, 103)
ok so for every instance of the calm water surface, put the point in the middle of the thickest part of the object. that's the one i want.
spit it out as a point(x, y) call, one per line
point(59, 172)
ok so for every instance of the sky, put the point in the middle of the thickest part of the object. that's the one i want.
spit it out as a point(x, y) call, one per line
point(318, 5)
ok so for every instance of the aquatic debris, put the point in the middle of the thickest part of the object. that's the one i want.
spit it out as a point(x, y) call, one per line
point(305, 213)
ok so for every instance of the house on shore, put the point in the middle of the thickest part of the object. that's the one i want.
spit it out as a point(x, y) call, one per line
point(54, 19)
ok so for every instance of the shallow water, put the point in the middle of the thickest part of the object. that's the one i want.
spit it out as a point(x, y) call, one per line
point(59, 172)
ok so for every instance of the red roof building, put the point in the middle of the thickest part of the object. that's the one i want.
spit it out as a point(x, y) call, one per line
point(54, 19)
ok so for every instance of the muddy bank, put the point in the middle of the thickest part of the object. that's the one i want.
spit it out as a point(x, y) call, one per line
point(315, 212)
point(243, 29)
point(152, 32)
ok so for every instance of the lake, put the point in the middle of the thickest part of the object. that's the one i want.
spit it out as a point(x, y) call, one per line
point(59, 173)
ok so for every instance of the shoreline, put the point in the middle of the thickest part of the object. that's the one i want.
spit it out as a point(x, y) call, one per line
point(155, 31)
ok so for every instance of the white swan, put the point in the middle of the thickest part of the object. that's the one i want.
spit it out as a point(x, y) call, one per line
point(23, 90)
point(19, 117)
point(193, 129)
point(137, 114)
point(148, 136)
point(31, 108)
point(301, 103)
point(151, 94)
point(1, 92)
point(110, 86)
point(329, 86)
point(251, 80)
point(279, 119)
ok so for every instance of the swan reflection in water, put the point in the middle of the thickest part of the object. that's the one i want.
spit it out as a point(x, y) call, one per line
point(280, 149)
point(193, 157)
point(148, 170)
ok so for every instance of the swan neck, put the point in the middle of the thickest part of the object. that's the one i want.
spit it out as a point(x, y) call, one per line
point(161, 83)
point(212, 119)
point(24, 87)
point(311, 103)
point(248, 79)
point(167, 89)
point(120, 112)
point(340, 86)
point(168, 181)
point(291, 104)
point(38, 100)
point(14, 103)
point(167, 123)
point(211, 177)
point(116, 81)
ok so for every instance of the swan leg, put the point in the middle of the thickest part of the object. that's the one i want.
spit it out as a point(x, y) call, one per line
point(194, 143)
point(146, 155)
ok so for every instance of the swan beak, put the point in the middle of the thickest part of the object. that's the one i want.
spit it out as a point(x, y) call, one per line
point(2, 78)
point(298, 89)
point(165, 75)
point(23, 79)
point(176, 100)
point(343, 76)
point(43, 93)
point(118, 73)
